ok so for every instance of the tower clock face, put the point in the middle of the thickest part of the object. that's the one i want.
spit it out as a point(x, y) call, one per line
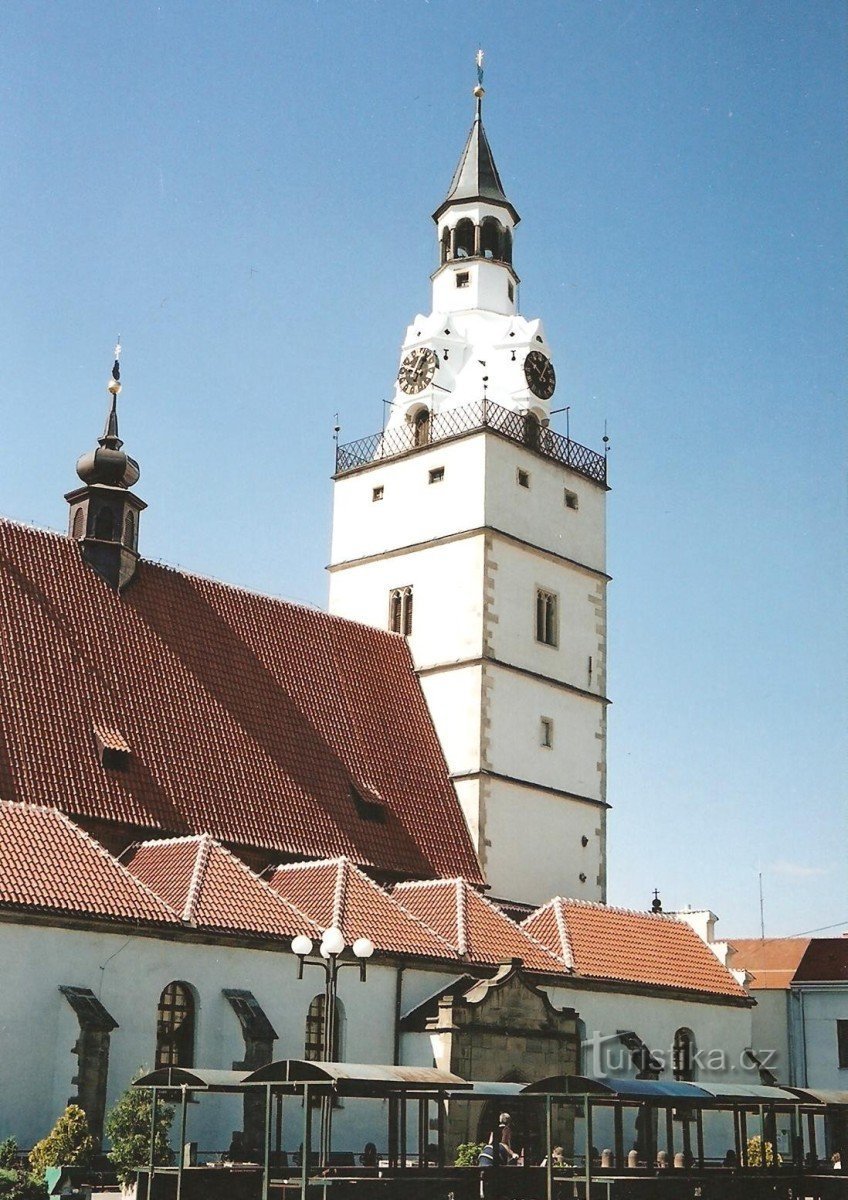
point(540, 375)
point(417, 370)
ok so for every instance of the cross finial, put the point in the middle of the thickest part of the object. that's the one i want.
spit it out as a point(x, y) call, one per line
point(656, 906)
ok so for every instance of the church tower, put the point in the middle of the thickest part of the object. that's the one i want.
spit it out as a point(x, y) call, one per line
point(472, 528)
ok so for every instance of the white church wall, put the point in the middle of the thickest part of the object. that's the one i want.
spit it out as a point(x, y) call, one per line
point(770, 1036)
point(515, 708)
point(814, 1010)
point(533, 845)
point(453, 698)
point(412, 509)
point(538, 514)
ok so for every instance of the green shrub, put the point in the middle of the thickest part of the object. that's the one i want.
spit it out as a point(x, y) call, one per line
point(128, 1129)
point(68, 1143)
point(9, 1153)
point(467, 1154)
point(755, 1153)
point(17, 1185)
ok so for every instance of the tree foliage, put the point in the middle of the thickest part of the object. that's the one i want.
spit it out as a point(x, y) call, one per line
point(755, 1153)
point(68, 1143)
point(128, 1130)
point(8, 1153)
point(16, 1184)
point(467, 1154)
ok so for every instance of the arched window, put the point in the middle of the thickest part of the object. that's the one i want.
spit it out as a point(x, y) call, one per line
point(313, 1048)
point(683, 1055)
point(465, 238)
point(421, 427)
point(532, 431)
point(400, 611)
point(446, 240)
point(129, 529)
point(507, 246)
point(175, 1026)
point(104, 524)
point(79, 524)
point(491, 238)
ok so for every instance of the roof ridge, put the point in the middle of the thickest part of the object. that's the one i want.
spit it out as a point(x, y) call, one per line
point(171, 841)
point(372, 883)
point(461, 918)
point(564, 937)
point(422, 883)
point(84, 836)
point(526, 933)
point(200, 861)
point(615, 908)
point(339, 894)
point(309, 864)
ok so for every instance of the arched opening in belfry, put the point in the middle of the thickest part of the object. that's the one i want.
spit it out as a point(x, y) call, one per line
point(491, 238)
point(129, 529)
point(79, 524)
point(464, 238)
point(445, 243)
point(532, 431)
point(421, 427)
point(507, 246)
point(104, 524)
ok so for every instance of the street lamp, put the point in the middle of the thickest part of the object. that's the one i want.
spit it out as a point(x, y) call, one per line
point(332, 946)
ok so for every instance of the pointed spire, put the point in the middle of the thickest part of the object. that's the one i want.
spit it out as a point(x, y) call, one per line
point(476, 176)
point(109, 464)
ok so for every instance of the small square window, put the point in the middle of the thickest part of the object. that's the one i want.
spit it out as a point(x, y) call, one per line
point(523, 478)
point(377, 494)
point(546, 733)
point(437, 474)
point(547, 617)
point(462, 278)
point(571, 499)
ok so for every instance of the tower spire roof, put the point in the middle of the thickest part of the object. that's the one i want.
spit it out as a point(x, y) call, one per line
point(476, 176)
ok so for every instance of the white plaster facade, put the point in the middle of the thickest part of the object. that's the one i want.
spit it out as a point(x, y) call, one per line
point(128, 972)
point(475, 526)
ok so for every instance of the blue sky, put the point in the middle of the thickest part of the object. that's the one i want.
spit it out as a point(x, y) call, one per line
point(243, 193)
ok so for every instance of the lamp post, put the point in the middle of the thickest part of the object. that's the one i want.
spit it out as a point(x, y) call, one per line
point(330, 950)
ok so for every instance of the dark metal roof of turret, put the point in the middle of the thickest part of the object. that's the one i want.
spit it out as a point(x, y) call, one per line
point(476, 176)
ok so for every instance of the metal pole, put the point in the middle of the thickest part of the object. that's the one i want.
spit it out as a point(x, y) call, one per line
point(266, 1161)
point(306, 1144)
point(440, 1133)
point(181, 1159)
point(402, 1104)
point(549, 1139)
point(588, 1121)
point(699, 1132)
point(152, 1158)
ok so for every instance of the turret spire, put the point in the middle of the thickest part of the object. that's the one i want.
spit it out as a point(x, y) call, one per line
point(104, 512)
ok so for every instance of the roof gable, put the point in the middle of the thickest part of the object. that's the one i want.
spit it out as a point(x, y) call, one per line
point(653, 949)
point(770, 962)
point(337, 893)
point(48, 864)
point(218, 693)
point(477, 930)
point(212, 889)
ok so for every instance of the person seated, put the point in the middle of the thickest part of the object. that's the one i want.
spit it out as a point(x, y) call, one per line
point(557, 1158)
point(236, 1152)
point(368, 1158)
point(662, 1159)
point(505, 1156)
point(730, 1159)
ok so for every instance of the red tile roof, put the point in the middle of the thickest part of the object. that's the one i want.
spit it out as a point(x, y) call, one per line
point(771, 962)
point(338, 893)
point(475, 927)
point(248, 718)
point(48, 864)
point(634, 947)
point(212, 889)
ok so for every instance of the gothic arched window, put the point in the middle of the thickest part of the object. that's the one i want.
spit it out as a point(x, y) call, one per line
point(129, 529)
point(491, 238)
point(400, 611)
point(446, 241)
point(464, 238)
point(683, 1055)
point(175, 1026)
point(532, 431)
point(104, 524)
point(313, 1047)
point(79, 524)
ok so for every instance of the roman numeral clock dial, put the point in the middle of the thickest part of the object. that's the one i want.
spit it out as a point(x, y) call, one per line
point(417, 370)
point(540, 375)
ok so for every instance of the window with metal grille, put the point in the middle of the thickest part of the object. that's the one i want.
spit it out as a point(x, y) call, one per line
point(313, 1047)
point(547, 617)
point(400, 611)
point(683, 1055)
point(175, 1026)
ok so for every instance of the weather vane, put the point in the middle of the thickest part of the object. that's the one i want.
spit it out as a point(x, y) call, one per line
point(479, 90)
point(115, 381)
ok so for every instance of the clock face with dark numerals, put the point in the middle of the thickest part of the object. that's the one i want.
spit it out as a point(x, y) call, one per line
point(540, 375)
point(417, 370)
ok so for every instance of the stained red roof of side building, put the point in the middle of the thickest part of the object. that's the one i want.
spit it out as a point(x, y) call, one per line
point(477, 930)
point(212, 889)
point(337, 893)
point(49, 865)
point(265, 724)
point(602, 942)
